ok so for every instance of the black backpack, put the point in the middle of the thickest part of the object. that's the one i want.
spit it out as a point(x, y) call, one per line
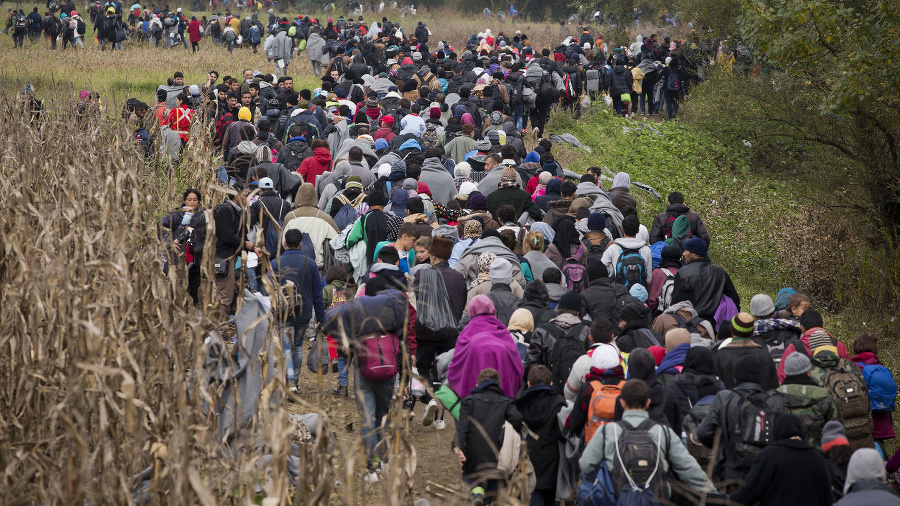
point(197, 240)
point(631, 269)
point(292, 158)
point(593, 252)
point(753, 430)
point(692, 326)
point(637, 470)
point(20, 22)
point(515, 90)
point(546, 89)
point(568, 348)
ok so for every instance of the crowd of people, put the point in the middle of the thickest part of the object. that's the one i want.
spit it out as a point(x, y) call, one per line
point(533, 301)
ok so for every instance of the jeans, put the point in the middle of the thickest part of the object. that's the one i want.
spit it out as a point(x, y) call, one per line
point(317, 67)
point(343, 372)
point(518, 111)
point(617, 104)
point(183, 39)
point(374, 400)
point(671, 103)
point(292, 337)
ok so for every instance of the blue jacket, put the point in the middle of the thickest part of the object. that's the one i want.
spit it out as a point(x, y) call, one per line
point(294, 266)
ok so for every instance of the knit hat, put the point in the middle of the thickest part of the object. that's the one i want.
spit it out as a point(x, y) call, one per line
point(354, 182)
point(742, 325)
point(381, 144)
point(508, 178)
point(544, 177)
point(244, 114)
point(632, 312)
point(820, 339)
point(423, 189)
point(441, 247)
point(747, 369)
point(467, 187)
point(501, 272)
point(605, 356)
point(376, 198)
point(670, 253)
point(472, 230)
point(570, 301)
point(761, 305)
point(399, 166)
point(833, 434)
point(462, 169)
point(697, 246)
point(796, 364)
point(639, 292)
point(434, 113)
point(478, 202)
point(865, 465)
point(596, 221)
point(658, 352)
point(676, 337)
point(483, 145)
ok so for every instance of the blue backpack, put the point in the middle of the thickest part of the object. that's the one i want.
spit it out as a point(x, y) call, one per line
point(597, 492)
point(631, 269)
point(673, 83)
point(882, 387)
point(272, 232)
point(254, 35)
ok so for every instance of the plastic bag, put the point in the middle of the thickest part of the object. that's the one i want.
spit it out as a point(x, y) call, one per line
point(586, 102)
point(318, 358)
point(416, 387)
point(435, 316)
point(608, 101)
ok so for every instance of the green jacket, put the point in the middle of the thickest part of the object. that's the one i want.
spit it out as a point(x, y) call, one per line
point(811, 403)
point(674, 456)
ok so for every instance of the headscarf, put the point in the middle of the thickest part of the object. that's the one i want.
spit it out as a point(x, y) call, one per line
point(566, 235)
point(546, 230)
point(481, 305)
point(462, 169)
point(521, 320)
point(484, 266)
point(622, 180)
point(782, 300)
point(467, 118)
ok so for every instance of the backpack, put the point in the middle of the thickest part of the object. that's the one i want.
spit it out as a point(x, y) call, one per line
point(576, 274)
point(848, 387)
point(221, 127)
point(692, 326)
point(546, 89)
point(569, 347)
point(197, 240)
point(429, 136)
point(254, 35)
point(349, 211)
point(378, 356)
point(95, 8)
point(602, 408)
point(668, 288)
point(515, 91)
point(292, 158)
point(593, 252)
point(754, 428)
point(569, 92)
point(292, 32)
point(630, 269)
point(20, 22)
point(338, 297)
point(673, 82)
point(882, 387)
point(637, 474)
point(272, 230)
point(689, 426)
point(80, 27)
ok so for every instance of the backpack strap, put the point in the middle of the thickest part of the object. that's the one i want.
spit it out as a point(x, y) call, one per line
point(343, 200)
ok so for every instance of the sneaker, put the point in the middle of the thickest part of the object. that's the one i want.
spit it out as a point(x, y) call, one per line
point(340, 391)
point(440, 424)
point(372, 478)
point(295, 389)
point(430, 411)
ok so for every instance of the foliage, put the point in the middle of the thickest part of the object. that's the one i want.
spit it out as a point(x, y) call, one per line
point(716, 18)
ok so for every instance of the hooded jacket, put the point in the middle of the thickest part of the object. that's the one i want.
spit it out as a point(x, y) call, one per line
point(539, 405)
point(316, 165)
point(611, 256)
point(535, 300)
point(709, 282)
point(620, 80)
point(482, 414)
point(664, 407)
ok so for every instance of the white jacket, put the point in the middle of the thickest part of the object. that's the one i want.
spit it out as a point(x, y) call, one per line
point(611, 255)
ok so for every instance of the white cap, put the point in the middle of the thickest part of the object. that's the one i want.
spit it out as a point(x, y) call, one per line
point(605, 356)
point(179, 9)
point(266, 183)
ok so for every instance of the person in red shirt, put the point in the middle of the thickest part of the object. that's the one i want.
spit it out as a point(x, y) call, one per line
point(179, 119)
point(317, 164)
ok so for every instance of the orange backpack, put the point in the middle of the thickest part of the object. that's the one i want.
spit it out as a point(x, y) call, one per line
point(602, 407)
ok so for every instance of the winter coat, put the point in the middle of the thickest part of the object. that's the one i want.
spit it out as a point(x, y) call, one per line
point(539, 405)
point(306, 217)
point(620, 81)
point(788, 471)
point(791, 348)
point(709, 282)
point(482, 413)
point(637, 334)
point(622, 198)
point(295, 266)
point(457, 147)
point(661, 223)
point(725, 413)
point(811, 403)
point(193, 30)
point(730, 350)
point(599, 298)
point(543, 339)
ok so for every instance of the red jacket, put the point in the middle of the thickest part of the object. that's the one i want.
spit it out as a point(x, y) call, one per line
point(842, 352)
point(193, 30)
point(318, 163)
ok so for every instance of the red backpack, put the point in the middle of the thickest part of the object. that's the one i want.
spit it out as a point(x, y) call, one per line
point(379, 356)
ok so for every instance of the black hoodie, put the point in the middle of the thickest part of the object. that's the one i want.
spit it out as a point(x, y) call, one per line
point(539, 405)
point(663, 406)
point(620, 81)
